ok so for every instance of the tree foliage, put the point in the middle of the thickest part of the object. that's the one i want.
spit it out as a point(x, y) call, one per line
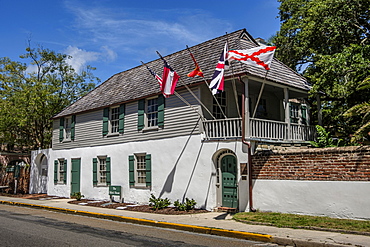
point(331, 40)
point(32, 93)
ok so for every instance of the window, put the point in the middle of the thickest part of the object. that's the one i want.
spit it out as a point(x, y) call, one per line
point(101, 171)
point(261, 109)
point(113, 120)
point(60, 171)
point(67, 128)
point(294, 113)
point(151, 113)
point(221, 106)
point(140, 170)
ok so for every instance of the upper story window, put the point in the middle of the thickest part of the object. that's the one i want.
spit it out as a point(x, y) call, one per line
point(113, 120)
point(151, 113)
point(67, 128)
point(219, 106)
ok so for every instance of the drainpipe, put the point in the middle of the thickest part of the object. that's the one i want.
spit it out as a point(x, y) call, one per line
point(251, 209)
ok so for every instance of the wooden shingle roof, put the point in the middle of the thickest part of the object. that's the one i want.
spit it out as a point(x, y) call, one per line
point(138, 83)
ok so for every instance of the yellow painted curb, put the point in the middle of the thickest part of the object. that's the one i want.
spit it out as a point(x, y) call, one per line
point(183, 227)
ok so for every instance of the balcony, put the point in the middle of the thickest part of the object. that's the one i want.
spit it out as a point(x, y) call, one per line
point(259, 130)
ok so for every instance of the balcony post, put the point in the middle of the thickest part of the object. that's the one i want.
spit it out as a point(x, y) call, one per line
point(287, 112)
point(246, 109)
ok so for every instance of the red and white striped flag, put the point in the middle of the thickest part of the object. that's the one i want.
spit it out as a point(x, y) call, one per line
point(169, 80)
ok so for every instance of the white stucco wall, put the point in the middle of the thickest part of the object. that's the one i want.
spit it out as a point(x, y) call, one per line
point(36, 185)
point(181, 167)
point(339, 199)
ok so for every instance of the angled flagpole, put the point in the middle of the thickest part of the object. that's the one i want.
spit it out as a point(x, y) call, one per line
point(159, 79)
point(191, 92)
point(214, 97)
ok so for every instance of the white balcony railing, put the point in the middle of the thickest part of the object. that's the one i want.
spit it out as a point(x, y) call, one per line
point(259, 129)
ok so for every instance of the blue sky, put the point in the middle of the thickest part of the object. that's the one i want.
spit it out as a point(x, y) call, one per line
point(115, 35)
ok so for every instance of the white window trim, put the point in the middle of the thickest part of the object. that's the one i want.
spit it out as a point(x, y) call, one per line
point(146, 119)
point(136, 170)
point(61, 181)
point(110, 132)
point(67, 129)
point(98, 171)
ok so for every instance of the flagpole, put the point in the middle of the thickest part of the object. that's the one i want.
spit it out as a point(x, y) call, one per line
point(260, 94)
point(233, 82)
point(180, 97)
point(214, 97)
point(192, 93)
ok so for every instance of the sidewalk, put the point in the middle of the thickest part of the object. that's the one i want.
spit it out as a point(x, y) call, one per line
point(216, 223)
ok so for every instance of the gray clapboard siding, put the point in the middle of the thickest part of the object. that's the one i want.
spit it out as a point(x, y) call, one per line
point(180, 119)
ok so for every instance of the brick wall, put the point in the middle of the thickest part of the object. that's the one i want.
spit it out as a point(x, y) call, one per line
point(325, 164)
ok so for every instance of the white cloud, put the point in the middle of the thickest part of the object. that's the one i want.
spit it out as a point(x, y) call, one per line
point(108, 54)
point(80, 57)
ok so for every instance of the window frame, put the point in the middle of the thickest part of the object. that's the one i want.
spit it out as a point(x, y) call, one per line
point(97, 177)
point(139, 164)
point(60, 168)
point(67, 129)
point(143, 112)
point(151, 122)
point(113, 122)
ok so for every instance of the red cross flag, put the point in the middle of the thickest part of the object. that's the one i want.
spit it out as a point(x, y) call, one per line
point(258, 56)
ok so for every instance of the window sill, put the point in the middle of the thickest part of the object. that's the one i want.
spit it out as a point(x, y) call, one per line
point(67, 141)
point(153, 128)
point(112, 134)
point(101, 185)
point(140, 187)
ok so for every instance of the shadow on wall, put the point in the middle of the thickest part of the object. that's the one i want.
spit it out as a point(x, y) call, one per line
point(167, 187)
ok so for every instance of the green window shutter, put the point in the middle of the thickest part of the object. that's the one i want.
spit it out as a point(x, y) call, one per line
point(95, 171)
point(121, 123)
point(65, 172)
point(108, 171)
point(304, 114)
point(160, 110)
point(61, 129)
point(140, 114)
point(73, 122)
point(56, 163)
point(148, 170)
point(131, 169)
point(105, 120)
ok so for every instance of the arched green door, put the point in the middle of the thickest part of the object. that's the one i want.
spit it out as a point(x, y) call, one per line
point(229, 183)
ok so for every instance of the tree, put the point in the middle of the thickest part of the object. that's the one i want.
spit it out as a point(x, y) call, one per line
point(331, 39)
point(31, 94)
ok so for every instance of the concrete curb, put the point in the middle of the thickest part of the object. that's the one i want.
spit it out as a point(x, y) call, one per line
point(163, 224)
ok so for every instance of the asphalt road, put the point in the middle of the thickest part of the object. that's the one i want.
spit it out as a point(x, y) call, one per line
point(20, 226)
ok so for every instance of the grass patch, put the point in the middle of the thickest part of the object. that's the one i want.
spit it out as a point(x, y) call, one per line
point(303, 221)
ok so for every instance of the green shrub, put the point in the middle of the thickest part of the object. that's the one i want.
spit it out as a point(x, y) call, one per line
point(158, 203)
point(186, 206)
point(77, 195)
point(324, 139)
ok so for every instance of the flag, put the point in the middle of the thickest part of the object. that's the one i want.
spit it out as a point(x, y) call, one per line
point(217, 82)
point(157, 77)
point(169, 79)
point(197, 71)
point(258, 56)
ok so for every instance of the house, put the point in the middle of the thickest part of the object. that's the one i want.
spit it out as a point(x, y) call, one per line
point(190, 145)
